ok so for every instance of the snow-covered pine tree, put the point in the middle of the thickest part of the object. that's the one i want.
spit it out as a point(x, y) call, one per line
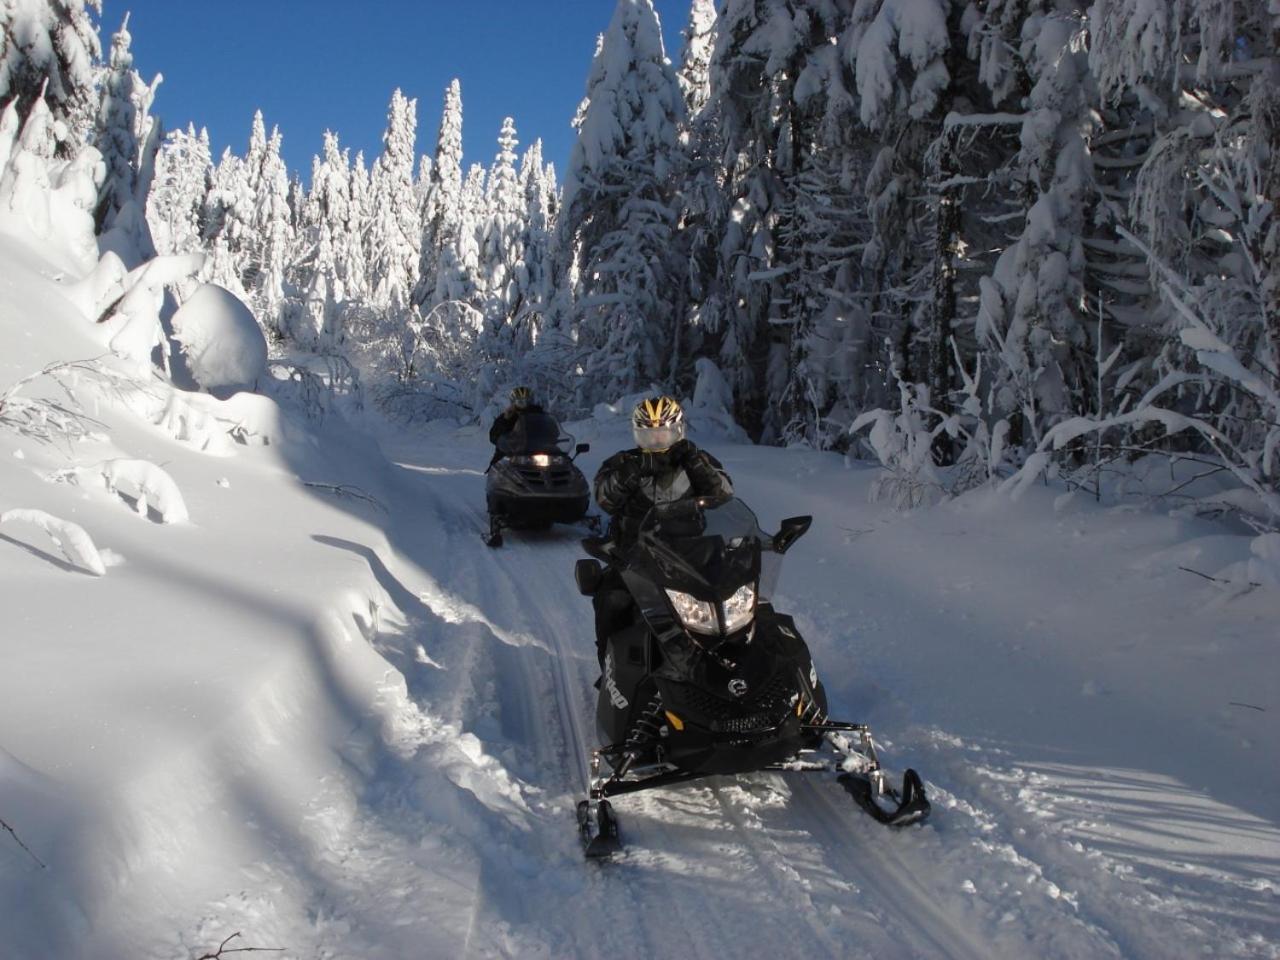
point(538, 187)
point(128, 138)
point(228, 218)
point(1199, 80)
point(176, 203)
point(394, 233)
point(695, 56)
point(460, 274)
point(1033, 318)
point(353, 262)
point(442, 216)
point(273, 230)
point(502, 263)
point(618, 218)
point(51, 50)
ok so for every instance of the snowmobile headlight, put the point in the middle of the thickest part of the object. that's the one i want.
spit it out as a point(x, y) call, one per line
point(541, 460)
point(740, 608)
point(697, 615)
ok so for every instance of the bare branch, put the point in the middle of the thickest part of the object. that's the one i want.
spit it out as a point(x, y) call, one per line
point(222, 949)
point(13, 833)
point(346, 490)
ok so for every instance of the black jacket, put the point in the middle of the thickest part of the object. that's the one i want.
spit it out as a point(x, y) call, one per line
point(506, 421)
point(629, 483)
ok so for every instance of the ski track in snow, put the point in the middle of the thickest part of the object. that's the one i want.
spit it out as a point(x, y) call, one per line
point(759, 865)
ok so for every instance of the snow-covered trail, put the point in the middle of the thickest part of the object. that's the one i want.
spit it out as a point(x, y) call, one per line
point(756, 865)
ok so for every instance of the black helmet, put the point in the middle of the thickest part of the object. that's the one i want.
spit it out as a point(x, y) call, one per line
point(521, 397)
point(657, 424)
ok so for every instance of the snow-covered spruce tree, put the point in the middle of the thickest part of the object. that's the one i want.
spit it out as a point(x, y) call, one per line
point(50, 50)
point(176, 203)
point(695, 56)
point(618, 218)
point(911, 77)
point(442, 213)
point(784, 123)
point(464, 278)
point(502, 250)
point(538, 186)
point(353, 261)
point(329, 215)
point(128, 138)
point(1033, 319)
point(701, 199)
point(394, 235)
point(273, 231)
point(1201, 209)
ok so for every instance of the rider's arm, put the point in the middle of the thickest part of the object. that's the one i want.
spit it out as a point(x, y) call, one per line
point(707, 476)
point(617, 482)
point(502, 425)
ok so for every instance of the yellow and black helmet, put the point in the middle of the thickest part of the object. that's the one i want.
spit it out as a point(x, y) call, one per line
point(521, 397)
point(657, 423)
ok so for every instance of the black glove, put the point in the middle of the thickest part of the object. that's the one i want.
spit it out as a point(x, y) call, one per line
point(650, 464)
point(631, 472)
point(680, 452)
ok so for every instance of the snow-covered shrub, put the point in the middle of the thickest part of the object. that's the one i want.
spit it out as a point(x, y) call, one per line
point(54, 419)
point(151, 487)
point(903, 442)
point(76, 545)
point(221, 341)
point(132, 323)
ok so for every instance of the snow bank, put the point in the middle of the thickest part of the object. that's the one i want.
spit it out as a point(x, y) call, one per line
point(220, 339)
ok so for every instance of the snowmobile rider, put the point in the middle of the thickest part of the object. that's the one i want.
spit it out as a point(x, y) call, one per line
point(521, 403)
point(662, 468)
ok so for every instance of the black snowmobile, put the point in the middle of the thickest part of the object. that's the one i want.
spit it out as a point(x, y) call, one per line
point(532, 481)
point(708, 678)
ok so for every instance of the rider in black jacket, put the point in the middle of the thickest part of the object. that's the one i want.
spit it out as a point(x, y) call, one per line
point(663, 467)
point(521, 404)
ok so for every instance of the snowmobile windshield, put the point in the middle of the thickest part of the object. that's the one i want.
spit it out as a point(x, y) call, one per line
point(706, 548)
point(535, 433)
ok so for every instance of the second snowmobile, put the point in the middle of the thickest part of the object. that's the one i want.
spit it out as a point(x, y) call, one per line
point(708, 678)
point(533, 482)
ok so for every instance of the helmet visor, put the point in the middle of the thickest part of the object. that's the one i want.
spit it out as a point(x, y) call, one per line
point(657, 439)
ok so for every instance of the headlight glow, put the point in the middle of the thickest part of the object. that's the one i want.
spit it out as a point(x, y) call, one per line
point(541, 460)
point(697, 615)
point(740, 608)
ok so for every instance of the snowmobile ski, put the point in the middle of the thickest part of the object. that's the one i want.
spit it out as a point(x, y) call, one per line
point(599, 829)
point(908, 806)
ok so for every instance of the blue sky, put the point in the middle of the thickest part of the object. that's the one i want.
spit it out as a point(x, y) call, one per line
point(312, 65)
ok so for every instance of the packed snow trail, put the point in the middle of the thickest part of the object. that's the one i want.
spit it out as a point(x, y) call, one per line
point(756, 864)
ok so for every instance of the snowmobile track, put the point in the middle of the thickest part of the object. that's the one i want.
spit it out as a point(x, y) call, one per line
point(777, 872)
point(884, 872)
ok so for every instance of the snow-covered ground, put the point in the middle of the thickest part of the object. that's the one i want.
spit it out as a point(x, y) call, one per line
point(313, 709)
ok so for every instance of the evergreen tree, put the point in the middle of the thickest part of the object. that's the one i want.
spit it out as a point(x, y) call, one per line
point(50, 50)
point(273, 232)
point(442, 217)
point(618, 217)
point(695, 57)
point(394, 234)
point(353, 261)
point(176, 203)
point(127, 137)
point(502, 254)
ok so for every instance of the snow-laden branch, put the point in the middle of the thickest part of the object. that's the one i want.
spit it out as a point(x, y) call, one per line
point(76, 545)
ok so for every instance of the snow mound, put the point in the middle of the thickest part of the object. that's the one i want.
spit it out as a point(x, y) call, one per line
point(152, 487)
point(220, 339)
point(76, 545)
